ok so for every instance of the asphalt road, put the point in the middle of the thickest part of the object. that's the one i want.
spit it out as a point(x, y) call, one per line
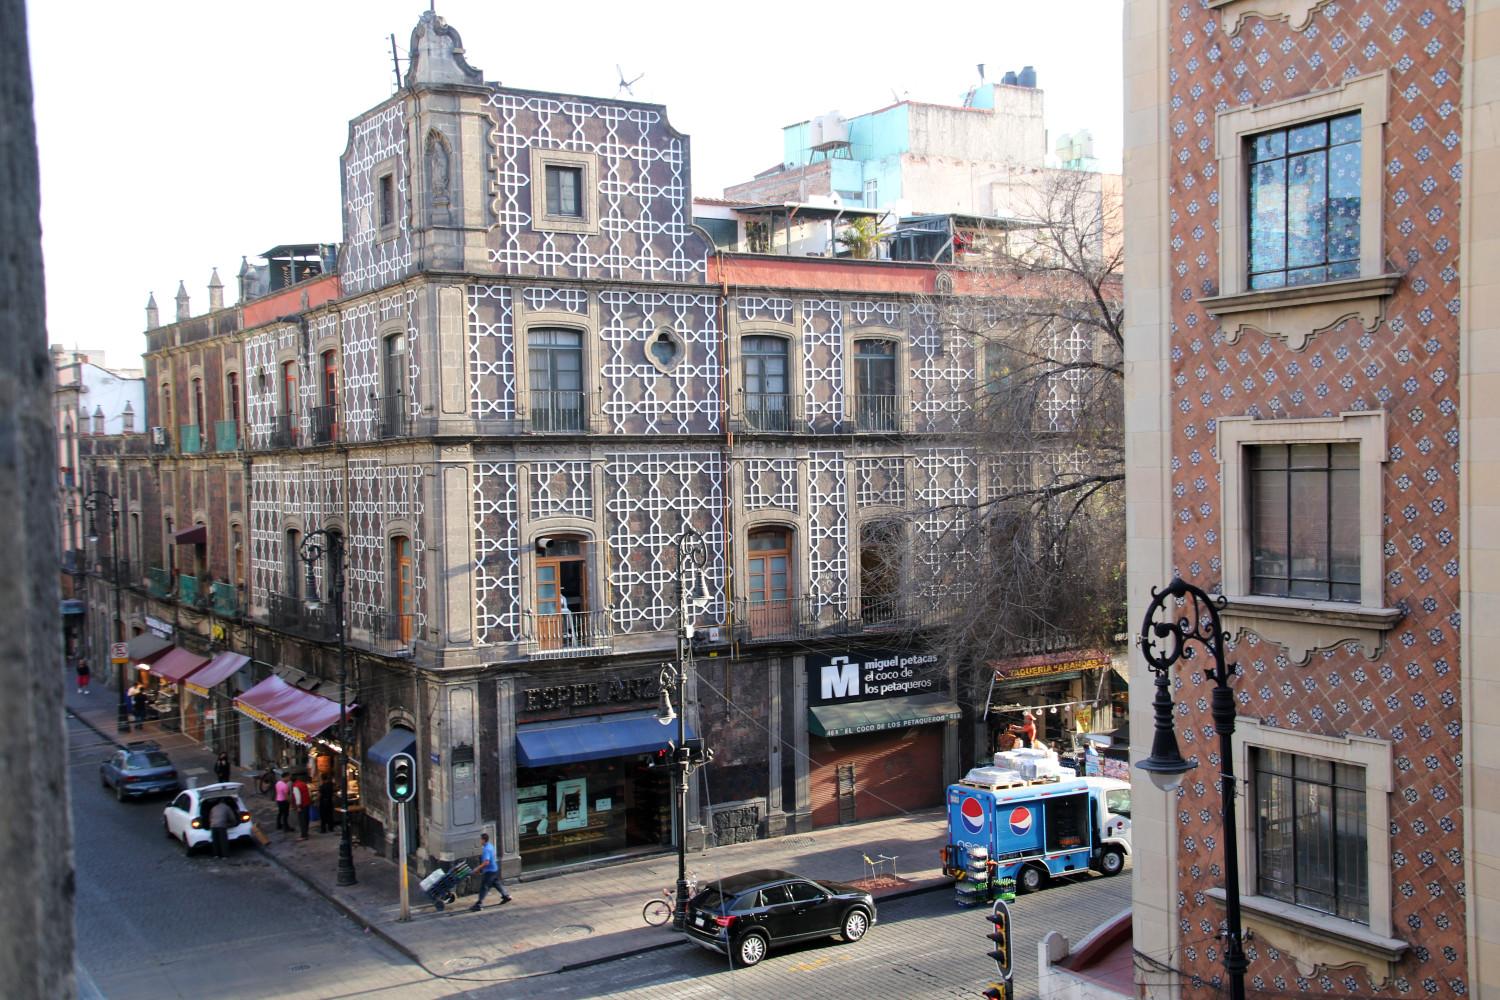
point(154, 923)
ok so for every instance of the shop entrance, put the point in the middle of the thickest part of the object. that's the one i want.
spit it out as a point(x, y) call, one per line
point(876, 774)
point(590, 810)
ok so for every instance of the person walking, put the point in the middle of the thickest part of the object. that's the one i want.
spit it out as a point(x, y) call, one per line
point(221, 767)
point(283, 802)
point(138, 704)
point(83, 676)
point(220, 819)
point(489, 873)
point(302, 799)
point(325, 803)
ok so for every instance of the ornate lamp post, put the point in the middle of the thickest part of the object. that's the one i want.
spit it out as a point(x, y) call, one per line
point(1166, 634)
point(315, 545)
point(91, 501)
point(692, 598)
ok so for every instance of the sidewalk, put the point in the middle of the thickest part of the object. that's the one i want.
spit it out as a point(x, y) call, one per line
point(558, 922)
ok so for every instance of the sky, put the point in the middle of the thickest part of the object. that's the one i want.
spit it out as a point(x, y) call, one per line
point(176, 136)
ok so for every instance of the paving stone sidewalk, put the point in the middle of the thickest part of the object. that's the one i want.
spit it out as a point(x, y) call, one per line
point(555, 922)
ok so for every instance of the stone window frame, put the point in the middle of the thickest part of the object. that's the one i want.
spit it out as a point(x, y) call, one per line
point(1296, 313)
point(1303, 626)
point(386, 231)
point(794, 388)
point(1311, 938)
point(588, 196)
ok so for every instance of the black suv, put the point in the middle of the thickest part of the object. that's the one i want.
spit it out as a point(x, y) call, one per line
point(744, 915)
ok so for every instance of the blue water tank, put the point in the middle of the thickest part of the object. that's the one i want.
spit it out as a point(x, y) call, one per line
point(1027, 77)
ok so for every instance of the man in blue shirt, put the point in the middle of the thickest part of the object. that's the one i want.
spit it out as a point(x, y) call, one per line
point(489, 873)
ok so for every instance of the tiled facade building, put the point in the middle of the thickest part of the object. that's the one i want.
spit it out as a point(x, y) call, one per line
point(528, 376)
point(1310, 195)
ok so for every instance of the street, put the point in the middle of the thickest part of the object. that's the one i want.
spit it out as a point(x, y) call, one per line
point(153, 923)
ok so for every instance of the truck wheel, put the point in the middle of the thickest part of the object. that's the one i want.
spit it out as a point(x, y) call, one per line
point(1030, 878)
point(1112, 861)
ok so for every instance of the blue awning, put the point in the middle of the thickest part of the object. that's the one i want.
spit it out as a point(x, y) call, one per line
point(398, 740)
point(545, 744)
point(72, 607)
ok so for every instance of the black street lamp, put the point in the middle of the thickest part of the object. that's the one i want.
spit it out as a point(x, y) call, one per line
point(315, 546)
point(692, 598)
point(1164, 642)
point(91, 501)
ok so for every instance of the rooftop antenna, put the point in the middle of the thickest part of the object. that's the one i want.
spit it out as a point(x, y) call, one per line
point(625, 85)
point(981, 72)
point(395, 61)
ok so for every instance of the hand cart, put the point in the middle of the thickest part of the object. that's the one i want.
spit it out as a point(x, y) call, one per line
point(440, 884)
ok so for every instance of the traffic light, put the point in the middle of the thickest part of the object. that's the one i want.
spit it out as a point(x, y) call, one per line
point(401, 777)
point(1000, 937)
point(663, 756)
point(997, 991)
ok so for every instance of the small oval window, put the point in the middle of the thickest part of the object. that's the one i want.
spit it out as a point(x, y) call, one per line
point(664, 349)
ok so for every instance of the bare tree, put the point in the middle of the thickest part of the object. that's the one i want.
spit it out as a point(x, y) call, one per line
point(1042, 538)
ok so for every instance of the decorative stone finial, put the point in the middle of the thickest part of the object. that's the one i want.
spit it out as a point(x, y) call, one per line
point(183, 312)
point(153, 315)
point(437, 55)
point(215, 292)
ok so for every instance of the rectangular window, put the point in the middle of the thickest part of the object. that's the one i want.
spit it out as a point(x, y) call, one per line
point(1310, 824)
point(1305, 203)
point(565, 191)
point(877, 407)
point(387, 200)
point(556, 363)
point(1304, 521)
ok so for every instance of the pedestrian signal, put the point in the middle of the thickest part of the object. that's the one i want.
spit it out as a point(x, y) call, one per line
point(401, 777)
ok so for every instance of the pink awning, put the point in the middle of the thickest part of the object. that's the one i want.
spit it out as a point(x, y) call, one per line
point(291, 711)
point(177, 664)
point(219, 670)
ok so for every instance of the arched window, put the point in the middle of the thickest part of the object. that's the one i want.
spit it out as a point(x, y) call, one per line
point(879, 570)
point(769, 581)
point(324, 422)
point(390, 412)
point(562, 592)
point(768, 400)
point(284, 434)
point(556, 362)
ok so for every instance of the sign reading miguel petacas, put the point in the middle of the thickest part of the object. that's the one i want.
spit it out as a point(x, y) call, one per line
point(868, 675)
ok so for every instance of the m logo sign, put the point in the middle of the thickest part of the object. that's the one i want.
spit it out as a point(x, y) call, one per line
point(840, 679)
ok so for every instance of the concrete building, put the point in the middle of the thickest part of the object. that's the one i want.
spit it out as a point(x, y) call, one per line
point(528, 379)
point(1310, 200)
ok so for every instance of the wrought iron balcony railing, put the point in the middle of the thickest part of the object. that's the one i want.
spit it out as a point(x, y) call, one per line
point(325, 428)
point(880, 414)
point(388, 631)
point(291, 613)
point(391, 417)
point(555, 411)
point(284, 431)
point(770, 412)
point(570, 633)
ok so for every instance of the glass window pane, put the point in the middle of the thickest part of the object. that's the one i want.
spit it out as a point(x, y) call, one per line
point(1273, 835)
point(1268, 223)
point(1343, 203)
point(1351, 855)
point(1306, 209)
point(1308, 456)
point(1344, 129)
point(1268, 456)
point(1313, 768)
point(1310, 136)
point(1271, 279)
point(1268, 526)
point(1314, 845)
point(1267, 146)
point(1343, 456)
point(1343, 526)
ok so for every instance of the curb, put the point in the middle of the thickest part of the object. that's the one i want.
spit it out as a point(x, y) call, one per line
point(339, 904)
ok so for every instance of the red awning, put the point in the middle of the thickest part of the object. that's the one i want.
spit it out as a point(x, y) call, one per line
point(219, 670)
point(289, 710)
point(196, 535)
point(177, 664)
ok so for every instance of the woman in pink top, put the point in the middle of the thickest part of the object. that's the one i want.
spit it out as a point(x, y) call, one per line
point(283, 803)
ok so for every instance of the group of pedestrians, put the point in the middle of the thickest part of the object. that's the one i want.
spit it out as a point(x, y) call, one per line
point(294, 793)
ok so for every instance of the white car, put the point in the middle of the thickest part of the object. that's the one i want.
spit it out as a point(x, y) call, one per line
point(187, 817)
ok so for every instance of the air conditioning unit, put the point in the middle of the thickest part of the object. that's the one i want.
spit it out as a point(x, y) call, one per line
point(159, 436)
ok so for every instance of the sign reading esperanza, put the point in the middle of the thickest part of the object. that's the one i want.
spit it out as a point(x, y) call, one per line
point(871, 674)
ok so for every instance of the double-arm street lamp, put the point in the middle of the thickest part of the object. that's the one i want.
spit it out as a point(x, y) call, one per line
point(91, 502)
point(314, 548)
point(692, 599)
point(1171, 633)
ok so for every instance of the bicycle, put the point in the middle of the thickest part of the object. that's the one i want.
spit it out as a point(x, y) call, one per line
point(659, 910)
point(265, 774)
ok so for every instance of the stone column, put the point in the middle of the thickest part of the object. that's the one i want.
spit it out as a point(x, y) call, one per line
point(506, 837)
point(37, 928)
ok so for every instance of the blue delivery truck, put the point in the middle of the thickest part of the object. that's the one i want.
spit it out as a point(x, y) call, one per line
point(1034, 831)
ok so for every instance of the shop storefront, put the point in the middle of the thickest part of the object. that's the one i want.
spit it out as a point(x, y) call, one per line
point(1067, 691)
point(585, 787)
point(205, 702)
point(294, 724)
point(170, 671)
point(876, 718)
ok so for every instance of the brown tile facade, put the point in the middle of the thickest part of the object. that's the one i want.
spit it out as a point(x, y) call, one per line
point(1407, 366)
